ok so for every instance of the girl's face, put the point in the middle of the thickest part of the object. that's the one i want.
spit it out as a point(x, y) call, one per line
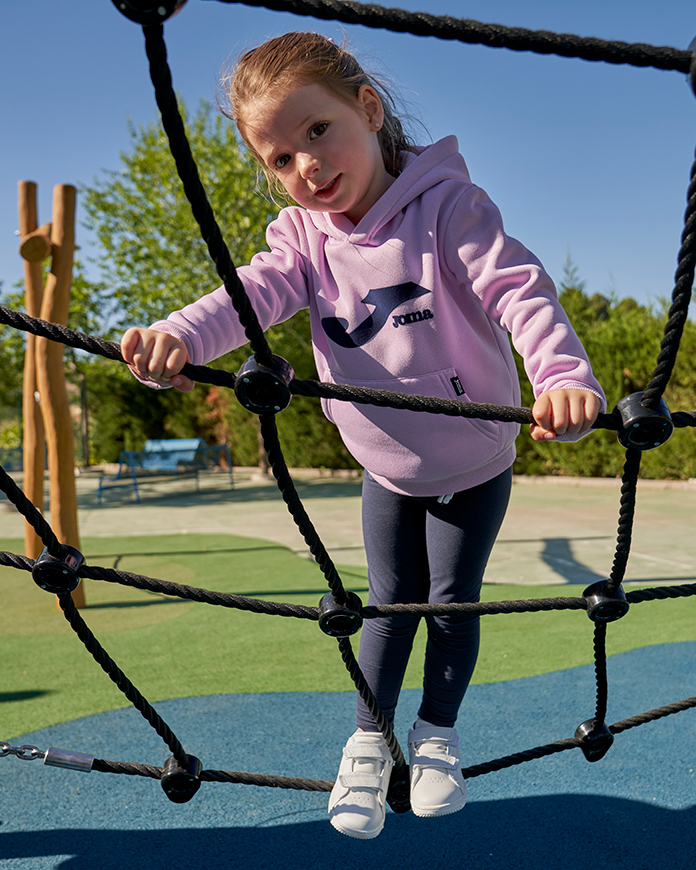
point(323, 150)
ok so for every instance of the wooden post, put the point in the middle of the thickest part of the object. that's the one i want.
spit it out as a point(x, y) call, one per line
point(54, 402)
point(34, 441)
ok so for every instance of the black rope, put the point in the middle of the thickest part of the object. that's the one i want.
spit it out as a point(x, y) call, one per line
point(316, 389)
point(681, 297)
point(653, 715)
point(471, 772)
point(193, 593)
point(31, 513)
point(287, 489)
point(600, 656)
point(626, 513)
point(475, 32)
point(116, 675)
point(195, 193)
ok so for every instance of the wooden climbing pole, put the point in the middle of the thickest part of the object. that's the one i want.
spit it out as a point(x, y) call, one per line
point(46, 409)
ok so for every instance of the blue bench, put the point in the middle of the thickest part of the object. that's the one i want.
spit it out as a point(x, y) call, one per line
point(177, 457)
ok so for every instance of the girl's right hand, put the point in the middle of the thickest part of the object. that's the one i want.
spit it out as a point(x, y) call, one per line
point(157, 357)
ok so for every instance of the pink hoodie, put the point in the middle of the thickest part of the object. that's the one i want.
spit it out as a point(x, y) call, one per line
point(418, 298)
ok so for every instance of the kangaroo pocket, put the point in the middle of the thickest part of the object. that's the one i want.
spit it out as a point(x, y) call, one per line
point(404, 445)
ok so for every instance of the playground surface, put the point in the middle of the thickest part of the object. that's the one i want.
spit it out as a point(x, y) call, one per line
point(633, 809)
point(557, 530)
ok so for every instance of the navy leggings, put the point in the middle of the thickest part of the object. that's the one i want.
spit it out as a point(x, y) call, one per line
point(420, 551)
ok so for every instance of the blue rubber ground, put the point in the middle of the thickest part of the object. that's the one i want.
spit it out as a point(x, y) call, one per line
point(633, 809)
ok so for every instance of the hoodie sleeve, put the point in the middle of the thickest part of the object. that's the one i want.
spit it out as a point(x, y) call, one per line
point(275, 281)
point(517, 294)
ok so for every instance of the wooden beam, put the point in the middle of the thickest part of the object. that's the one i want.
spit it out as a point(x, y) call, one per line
point(34, 439)
point(35, 246)
point(55, 406)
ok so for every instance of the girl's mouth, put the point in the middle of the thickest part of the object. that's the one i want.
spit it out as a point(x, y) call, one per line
point(328, 189)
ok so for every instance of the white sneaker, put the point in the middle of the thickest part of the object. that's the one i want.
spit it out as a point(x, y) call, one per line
point(357, 804)
point(437, 784)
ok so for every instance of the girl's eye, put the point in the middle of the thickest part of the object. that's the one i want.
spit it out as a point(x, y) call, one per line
point(281, 161)
point(317, 130)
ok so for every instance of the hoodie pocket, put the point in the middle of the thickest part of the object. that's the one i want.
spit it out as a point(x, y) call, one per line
point(403, 444)
point(444, 384)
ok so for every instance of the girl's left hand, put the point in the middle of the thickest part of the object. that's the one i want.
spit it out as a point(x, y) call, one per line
point(564, 412)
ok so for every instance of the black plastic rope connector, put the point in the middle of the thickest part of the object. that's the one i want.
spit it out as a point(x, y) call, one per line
point(602, 607)
point(340, 620)
point(58, 574)
point(179, 783)
point(641, 427)
point(264, 389)
point(399, 790)
point(148, 11)
point(595, 739)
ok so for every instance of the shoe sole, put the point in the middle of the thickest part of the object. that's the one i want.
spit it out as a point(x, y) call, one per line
point(356, 835)
point(442, 811)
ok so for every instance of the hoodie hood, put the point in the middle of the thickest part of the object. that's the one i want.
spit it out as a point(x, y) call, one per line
point(419, 172)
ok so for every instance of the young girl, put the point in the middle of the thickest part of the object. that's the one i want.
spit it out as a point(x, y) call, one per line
point(412, 286)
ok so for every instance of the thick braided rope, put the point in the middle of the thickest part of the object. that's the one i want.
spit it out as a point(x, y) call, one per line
point(471, 772)
point(475, 32)
point(629, 482)
point(195, 193)
point(367, 696)
point(117, 676)
point(269, 432)
point(316, 389)
point(30, 513)
point(679, 308)
point(600, 658)
point(272, 608)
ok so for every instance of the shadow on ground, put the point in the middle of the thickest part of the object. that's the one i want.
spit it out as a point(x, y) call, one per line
point(572, 832)
point(154, 491)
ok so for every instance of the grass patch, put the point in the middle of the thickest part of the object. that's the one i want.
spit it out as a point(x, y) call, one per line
point(172, 648)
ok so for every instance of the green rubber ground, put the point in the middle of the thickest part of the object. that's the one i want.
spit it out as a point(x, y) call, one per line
point(172, 649)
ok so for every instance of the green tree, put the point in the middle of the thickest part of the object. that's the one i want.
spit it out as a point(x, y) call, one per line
point(153, 260)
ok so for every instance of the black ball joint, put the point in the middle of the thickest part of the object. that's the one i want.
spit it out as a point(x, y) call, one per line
point(58, 574)
point(340, 620)
point(148, 11)
point(640, 427)
point(264, 389)
point(595, 739)
point(602, 607)
point(179, 783)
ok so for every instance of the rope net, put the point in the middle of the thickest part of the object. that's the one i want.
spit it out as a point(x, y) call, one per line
point(340, 612)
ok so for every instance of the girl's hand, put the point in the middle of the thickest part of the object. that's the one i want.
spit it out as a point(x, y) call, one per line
point(564, 412)
point(156, 356)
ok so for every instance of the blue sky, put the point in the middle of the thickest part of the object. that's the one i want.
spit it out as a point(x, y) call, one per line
point(582, 158)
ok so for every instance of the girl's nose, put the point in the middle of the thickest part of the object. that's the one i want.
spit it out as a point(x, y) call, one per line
point(308, 164)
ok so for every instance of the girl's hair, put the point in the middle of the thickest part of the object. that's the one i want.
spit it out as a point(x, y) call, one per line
point(303, 58)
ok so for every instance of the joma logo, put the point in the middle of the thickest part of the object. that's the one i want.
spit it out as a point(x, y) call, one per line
point(411, 317)
point(382, 300)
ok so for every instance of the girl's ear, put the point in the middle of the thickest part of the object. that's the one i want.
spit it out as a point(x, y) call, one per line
point(371, 104)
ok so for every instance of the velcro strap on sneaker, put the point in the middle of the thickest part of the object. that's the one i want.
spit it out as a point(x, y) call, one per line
point(367, 750)
point(435, 761)
point(361, 780)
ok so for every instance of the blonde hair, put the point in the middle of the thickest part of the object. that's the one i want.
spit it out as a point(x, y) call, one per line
point(303, 58)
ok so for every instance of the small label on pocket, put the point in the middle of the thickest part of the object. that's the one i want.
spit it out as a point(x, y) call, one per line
point(457, 384)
